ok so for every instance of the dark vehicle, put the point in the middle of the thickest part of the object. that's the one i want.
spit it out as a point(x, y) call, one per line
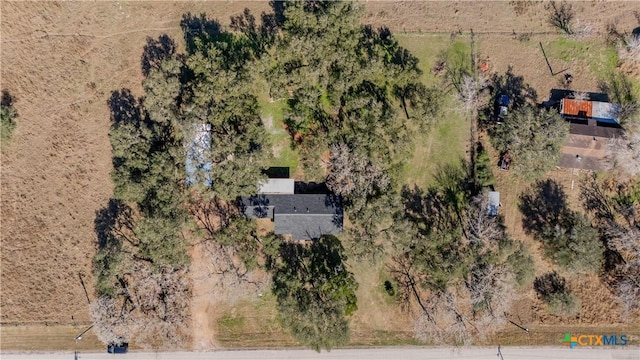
point(119, 348)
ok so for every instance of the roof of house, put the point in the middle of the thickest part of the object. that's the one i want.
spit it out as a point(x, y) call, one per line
point(580, 162)
point(277, 186)
point(307, 226)
point(587, 109)
point(595, 130)
point(304, 216)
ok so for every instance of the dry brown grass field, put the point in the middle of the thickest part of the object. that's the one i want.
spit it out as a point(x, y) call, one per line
point(62, 60)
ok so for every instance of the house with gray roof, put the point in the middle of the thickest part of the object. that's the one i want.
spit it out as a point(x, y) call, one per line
point(302, 216)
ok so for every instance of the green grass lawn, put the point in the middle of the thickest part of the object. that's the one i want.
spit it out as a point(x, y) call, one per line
point(444, 144)
point(446, 141)
point(427, 48)
point(601, 58)
point(272, 114)
point(252, 323)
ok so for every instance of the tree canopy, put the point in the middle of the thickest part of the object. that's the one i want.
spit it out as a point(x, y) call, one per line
point(455, 259)
point(567, 237)
point(532, 138)
point(315, 292)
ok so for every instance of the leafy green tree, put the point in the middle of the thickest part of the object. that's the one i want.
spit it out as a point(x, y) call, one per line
point(160, 242)
point(572, 243)
point(567, 237)
point(532, 138)
point(7, 115)
point(341, 80)
point(620, 89)
point(318, 38)
point(315, 292)
point(483, 176)
point(257, 37)
point(220, 99)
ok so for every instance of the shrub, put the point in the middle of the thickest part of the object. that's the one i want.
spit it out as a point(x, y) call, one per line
point(567, 237)
point(483, 175)
point(522, 265)
point(564, 305)
point(549, 284)
point(7, 115)
point(552, 289)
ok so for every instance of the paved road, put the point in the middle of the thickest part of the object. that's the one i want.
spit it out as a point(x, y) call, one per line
point(405, 353)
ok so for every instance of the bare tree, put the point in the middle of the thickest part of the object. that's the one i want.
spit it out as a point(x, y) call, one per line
point(625, 240)
point(408, 282)
point(448, 324)
point(152, 307)
point(561, 16)
point(471, 90)
point(483, 231)
point(618, 218)
point(111, 320)
point(354, 174)
point(623, 154)
point(227, 278)
point(628, 287)
point(475, 311)
point(580, 95)
point(629, 52)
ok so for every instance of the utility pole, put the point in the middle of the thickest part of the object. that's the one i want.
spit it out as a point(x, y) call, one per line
point(79, 337)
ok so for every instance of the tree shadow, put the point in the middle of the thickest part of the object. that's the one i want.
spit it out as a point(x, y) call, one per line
point(277, 172)
point(259, 36)
point(610, 270)
point(428, 210)
point(301, 187)
point(111, 217)
point(124, 107)
point(544, 204)
point(549, 284)
point(199, 31)
point(514, 87)
point(7, 99)
point(278, 17)
point(214, 214)
point(318, 261)
point(156, 51)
